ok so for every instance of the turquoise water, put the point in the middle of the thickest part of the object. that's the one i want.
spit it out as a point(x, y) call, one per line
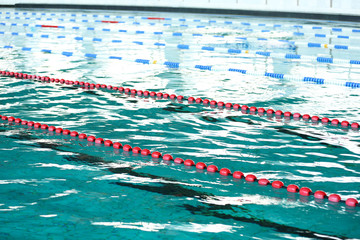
point(56, 187)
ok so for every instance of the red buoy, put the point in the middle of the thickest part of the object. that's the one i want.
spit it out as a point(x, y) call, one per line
point(250, 178)
point(198, 100)
point(117, 145)
point(191, 99)
point(334, 122)
point(306, 116)
point(225, 171)
point(66, 132)
point(221, 104)
point(297, 115)
point(228, 105)
point(244, 107)
point(108, 143)
point(238, 175)
point(277, 184)
point(212, 168)
point(305, 191)
point(278, 112)
point(82, 136)
point(213, 102)
point(145, 152)
point(351, 202)
point(91, 138)
point(99, 141)
point(74, 134)
point(320, 194)
point(136, 150)
point(51, 128)
point(253, 109)
point(261, 110)
point(236, 106)
point(292, 188)
point(334, 198)
point(58, 130)
point(178, 160)
point(325, 120)
point(127, 148)
point(156, 155)
point(189, 162)
point(200, 165)
point(206, 101)
point(345, 124)
point(263, 181)
point(167, 157)
point(315, 118)
point(44, 126)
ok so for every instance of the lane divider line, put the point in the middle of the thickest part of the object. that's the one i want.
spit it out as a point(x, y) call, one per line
point(261, 40)
point(226, 22)
point(267, 54)
point(292, 188)
point(345, 125)
point(245, 29)
point(176, 65)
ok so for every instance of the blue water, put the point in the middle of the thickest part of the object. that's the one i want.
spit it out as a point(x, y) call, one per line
point(56, 187)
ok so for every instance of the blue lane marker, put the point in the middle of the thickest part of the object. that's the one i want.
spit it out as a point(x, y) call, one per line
point(97, 39)
point(237, 70)
point(172, 64)
point(203, 67)
point(352, 84)
point(320, 35)
point(46, 50)
point(274, 75)
point(68, 54)
point(324, 59)
point(158, 33)
point(266, 54)
point(314, 45)
point(106, 29)
point(208, 48)
point(316, 27)
point(90, 55)
point(315, 80)
point(122, 30)
point(61, 37)
point(197, 35)
point(144, 61)
point(78, 38)
point(8, 46)
point(337, 29)
point(139, 32)
point(292, 56)
point(234, 50)
point(177, 34)
point(138, 42)
point(341, 47)
point(116, 41)
point(159, 44)
point(340, 36)
point(90, 28)
point(115, 57)
point(354, 62)
point(183, 46)
point(44, 36)
point(15, 33)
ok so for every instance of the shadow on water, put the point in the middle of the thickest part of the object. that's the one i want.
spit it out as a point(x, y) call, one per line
point(171, 187)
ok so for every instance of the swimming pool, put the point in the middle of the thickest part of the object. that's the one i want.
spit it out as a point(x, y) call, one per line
point(58, 186)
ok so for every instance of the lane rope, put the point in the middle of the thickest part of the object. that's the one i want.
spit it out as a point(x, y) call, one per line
point(310, 27)
point(202, 48)
point(279, 114)
point(177, 65)
point(237, 175)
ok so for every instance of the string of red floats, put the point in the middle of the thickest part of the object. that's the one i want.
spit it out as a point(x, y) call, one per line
point(244, 108)
point(303, 191)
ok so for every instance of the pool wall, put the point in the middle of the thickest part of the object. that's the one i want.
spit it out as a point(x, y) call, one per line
point(347, 10)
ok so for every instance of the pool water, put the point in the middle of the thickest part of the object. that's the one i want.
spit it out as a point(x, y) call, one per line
point(59, 187)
